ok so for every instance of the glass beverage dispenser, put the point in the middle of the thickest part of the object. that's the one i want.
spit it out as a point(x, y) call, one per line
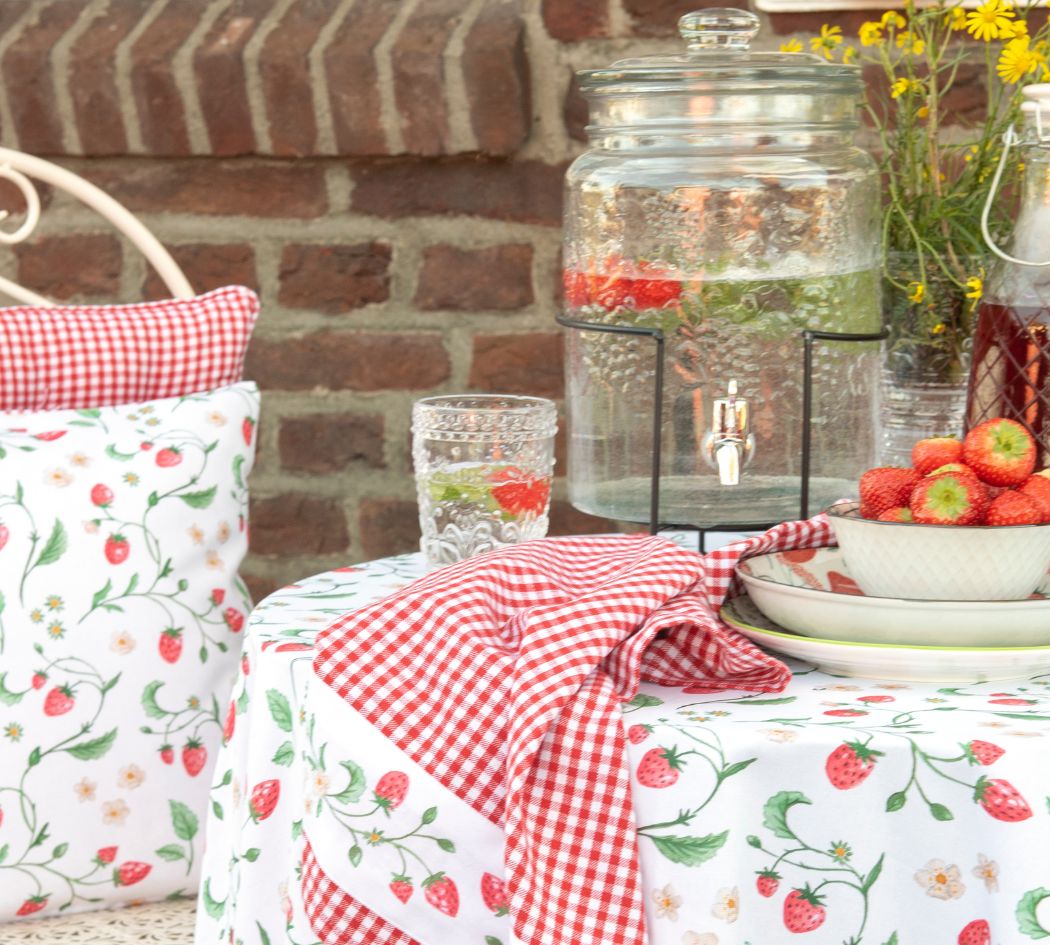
point(723, 207)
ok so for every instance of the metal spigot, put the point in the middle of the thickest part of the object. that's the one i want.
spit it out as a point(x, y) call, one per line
point(729, 445)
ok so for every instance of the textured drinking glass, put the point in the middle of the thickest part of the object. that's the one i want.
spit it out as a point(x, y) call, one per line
point(483, 472)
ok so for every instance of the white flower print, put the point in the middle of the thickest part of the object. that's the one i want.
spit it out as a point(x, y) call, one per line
point(122, 642)
point(699, 938)
point(84, 790)
point(781, 735)
point(131, 777)
point(667, 903)
point(114, 813)
point(80, 459)
point(941, 880)
point(727, 905)
point(988, 871)
point(58, 478)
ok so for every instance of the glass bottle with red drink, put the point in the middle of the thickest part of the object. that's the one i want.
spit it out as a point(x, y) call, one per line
point(1010, 376)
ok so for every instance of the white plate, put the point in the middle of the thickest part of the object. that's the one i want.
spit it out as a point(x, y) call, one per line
point(811, 592)
point(883, 661)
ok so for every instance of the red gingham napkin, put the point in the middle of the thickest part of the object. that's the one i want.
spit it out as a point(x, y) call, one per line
point(502, 676)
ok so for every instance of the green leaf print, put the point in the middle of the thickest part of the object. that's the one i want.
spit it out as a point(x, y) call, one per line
point(355, 855)
point(171, 853)
point(492, 940)
point(643, 701)
point(876, 871)
point(892, 940)
point(199, 500)
point(183, 821)
point(56, 546)
point(238, 462)
point(940, 812)
point(355, 787)
point(101, 594)
point(279, 709)
point(445, 844)
point(95, 748)
point(113, 453)
point(690, 851)
point(263, 937)
point(896, 801)
point(149, 700)
point(7, 697)
point(1025, 912)
point(284, 755)
point(212, 906)
point(774, 814)
point(216, 809)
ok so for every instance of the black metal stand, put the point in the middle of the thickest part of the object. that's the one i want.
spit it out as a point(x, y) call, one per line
point(809, 336)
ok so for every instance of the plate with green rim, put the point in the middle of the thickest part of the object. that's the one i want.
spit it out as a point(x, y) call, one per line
point(901, 662)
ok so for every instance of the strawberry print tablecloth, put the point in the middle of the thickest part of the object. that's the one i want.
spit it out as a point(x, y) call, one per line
point(843, 810)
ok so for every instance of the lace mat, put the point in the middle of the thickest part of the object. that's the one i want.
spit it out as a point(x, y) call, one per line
point(159, 923)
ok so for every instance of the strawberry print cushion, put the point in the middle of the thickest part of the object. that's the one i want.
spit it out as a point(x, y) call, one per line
point(121, 610)
point(77, 356)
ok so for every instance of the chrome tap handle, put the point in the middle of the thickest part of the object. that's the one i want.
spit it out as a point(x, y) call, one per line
point(729, 445)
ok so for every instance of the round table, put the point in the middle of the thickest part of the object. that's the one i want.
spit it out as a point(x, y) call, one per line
point(851, 810)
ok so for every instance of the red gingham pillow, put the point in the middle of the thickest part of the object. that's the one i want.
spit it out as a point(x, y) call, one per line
point(78, 356)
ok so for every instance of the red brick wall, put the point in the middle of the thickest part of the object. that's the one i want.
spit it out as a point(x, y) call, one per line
point(386, 173)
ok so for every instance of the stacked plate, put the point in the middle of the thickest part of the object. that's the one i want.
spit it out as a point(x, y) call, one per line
point(805, 604)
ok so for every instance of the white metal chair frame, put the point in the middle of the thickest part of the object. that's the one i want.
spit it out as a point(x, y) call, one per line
point(18, 168)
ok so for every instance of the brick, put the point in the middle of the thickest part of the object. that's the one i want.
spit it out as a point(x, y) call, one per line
point(207, 266)
point(573, 20)
point(294, 523)
point(259, 586)
point(158, 103)
point(334, 279)
point(221, 78)
point(214, 187)
point(496, 72)
point(93, 83)
point(418, 61)
point(567, 520)
point(76, 265)
point(329, 360)
point(285, 75)
point(328, 443)
point(387, 527)
point(575, 110)
point(522, 191)
point(353, 79)
point(660, 17)
point(785, 24)
point(518, 364)
point(27, 76)
point(494, 278)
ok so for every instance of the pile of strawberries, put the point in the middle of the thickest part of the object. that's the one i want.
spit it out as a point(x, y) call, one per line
point(988, 478)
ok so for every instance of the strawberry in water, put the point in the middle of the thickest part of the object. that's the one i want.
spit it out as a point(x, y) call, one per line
point(849, 764)
point(803, 910)
point(401, 886)
point(976, 932)
point(982, 753)
point(131, 872)
point(494, 894)
point(440, 891)
point(519, 493)
point(767, 883)
point(1001, 800)
point(391, 789)
point(1001, 452)
point(659, 768)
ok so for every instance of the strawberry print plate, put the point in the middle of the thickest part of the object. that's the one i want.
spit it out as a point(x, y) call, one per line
point(888, 661)
point(810, 592)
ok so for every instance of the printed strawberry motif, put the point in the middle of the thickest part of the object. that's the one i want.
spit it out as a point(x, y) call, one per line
point(845, 713)
point(117, 549)
point(58, 701)
point(440, 891)
point(247, 429)
point(518, 493)
point(637, 734)
point(231, 721)
point(803, 910)
point(876, 699)
point(4, 535)
point(494, 894)
point(976, 932)
point(49, 435)
point(246, 667)
point(38, 680)
point(218, 595)
point(843, 584)
point(145, 446)
point(401, 886)
point(106, 855)
point(170, 644)
point(234, 619)
point(131, 872)
point(767, 883)
point(264, 799)
point(168, 457)
point(391, 789)
point(1001, 800)
point(1011, 700)
point(849, 764)
point(1000, 451)
point(31, 905)
point(982, 753)
point(167, 754)
point(101, 495)
point(194, 757)
point(659, 768)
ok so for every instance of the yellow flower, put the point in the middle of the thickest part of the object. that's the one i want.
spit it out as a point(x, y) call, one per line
point(971, 153)
point(870, 33)
point(938, 329)
point(976, 286)
point(924, 111)
point(792, 45)
point(849, 54)
point(1015, 29)
point(903, 86)
point(830, 37)
point(911, 43)
point(1017, 60)
point(955, 18)
point(990, 20)
point(916, 291)
point(891, 19)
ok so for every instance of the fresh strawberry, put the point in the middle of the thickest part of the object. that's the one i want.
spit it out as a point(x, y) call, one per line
point(767, 883)
point(494, 895)
point(58, 701)
point(130, 873)
point(4, 535)
point(101, 495)
point(934, 451)
point(1001, 800)
point(1013, 508)
point(234, 619)
point(1000, 451)
point(849, 764)
point(194, 757)
point(948, 499)
point(117, 549)
point(803, 910)
point(264, 799)
point(391, 789)
point(900, 513)
point(247, 430)
point(885, 487)
point(168, 457)
point(167, 754)
point(106, 855)
point(31, 905)
point(659, 768)
point(38, 680)
point(637, 734)
point(982, 753)
point(960, 468)
point(401, 886)
point(441, 893)
point(1037, 488)
point(976, 932)
point(170, 644)
point(230, 723)
point(518, 493)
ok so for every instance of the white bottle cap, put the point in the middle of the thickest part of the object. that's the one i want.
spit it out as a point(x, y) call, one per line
point(1036, 109)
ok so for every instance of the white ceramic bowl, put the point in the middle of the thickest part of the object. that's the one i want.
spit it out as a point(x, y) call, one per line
point(941, 562)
